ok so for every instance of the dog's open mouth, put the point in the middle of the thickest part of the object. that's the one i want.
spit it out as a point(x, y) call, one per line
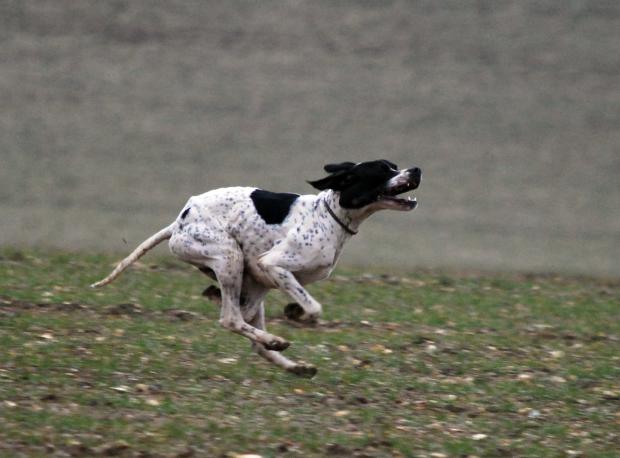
point(406, 203)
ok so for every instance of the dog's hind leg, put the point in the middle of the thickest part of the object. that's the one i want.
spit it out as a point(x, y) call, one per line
point(228, 269)
point(217, 251)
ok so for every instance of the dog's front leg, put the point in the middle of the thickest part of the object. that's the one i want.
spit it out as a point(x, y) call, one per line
point(275, 357)
point(279, 273)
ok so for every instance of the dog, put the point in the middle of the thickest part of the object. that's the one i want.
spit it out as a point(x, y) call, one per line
point(250, 241)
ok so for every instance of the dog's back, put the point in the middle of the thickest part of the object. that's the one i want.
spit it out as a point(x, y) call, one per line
point(255, 218)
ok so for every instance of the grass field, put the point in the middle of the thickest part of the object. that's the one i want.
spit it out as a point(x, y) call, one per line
point(414, 364)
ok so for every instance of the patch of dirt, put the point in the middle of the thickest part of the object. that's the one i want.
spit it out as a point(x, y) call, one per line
point(9, 304)
point(124, 309)
point(182, 315)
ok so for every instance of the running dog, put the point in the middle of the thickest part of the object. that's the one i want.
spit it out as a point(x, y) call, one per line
point(250, 241)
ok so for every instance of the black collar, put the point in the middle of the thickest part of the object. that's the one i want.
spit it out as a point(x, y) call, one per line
point(333, 215)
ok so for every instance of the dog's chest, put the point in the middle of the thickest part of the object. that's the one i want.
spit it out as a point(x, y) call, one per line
point(304, 239)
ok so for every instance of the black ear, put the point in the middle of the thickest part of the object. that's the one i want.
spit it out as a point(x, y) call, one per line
point(339, 177)
point(329, 182)
point(391, 164)
point(342, 167)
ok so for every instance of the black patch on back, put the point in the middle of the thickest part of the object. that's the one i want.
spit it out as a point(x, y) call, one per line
point(273, 207)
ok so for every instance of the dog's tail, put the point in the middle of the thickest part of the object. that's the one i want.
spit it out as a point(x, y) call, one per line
point(140, 251)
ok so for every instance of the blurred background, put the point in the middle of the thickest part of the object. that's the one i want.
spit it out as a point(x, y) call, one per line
point(114, 112)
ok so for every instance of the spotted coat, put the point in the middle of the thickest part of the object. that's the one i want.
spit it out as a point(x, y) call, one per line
point(251, 241)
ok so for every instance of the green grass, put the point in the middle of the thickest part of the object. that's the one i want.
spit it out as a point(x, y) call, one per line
point(420, 364)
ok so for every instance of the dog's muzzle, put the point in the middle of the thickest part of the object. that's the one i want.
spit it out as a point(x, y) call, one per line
point(407, 180)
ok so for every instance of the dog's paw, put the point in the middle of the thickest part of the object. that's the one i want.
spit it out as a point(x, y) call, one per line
point(302, 370)
point(293, 311)
point(277, 345)
point(213, 293)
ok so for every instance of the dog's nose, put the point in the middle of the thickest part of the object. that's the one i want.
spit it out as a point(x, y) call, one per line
point(416, 174)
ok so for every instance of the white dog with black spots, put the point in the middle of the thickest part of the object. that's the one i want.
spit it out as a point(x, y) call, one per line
point(251, 241)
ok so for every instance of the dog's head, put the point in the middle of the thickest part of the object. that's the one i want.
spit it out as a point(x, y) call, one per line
point(375, 183)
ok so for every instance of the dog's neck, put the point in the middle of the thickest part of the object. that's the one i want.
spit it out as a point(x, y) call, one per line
point(350, 218)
